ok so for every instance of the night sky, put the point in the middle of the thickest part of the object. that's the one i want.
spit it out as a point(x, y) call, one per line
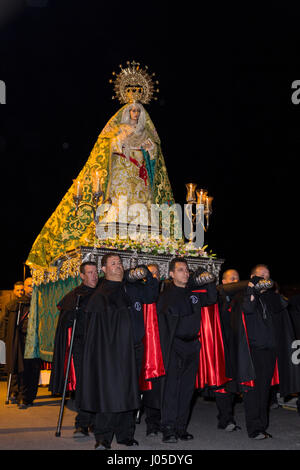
point(224, 115)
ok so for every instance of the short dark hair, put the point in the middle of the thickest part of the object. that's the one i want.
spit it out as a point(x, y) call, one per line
point(106, 256)
point(227, 270)
point(258, 266)
point(19, 283)
point(86, 263)
point(176, 260)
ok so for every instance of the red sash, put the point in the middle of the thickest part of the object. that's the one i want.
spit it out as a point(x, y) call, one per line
point(211, 371)
point(153, 365)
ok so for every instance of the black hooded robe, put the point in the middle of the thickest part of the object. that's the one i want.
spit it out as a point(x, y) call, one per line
point(110, 375)
point(113, 356)
point(271, 337)
point(179, 317)
point(238, 362)
point(26, 370)
point(67, 306)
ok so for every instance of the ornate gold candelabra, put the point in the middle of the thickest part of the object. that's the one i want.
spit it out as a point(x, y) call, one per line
point(202, 205)
point(98, 195)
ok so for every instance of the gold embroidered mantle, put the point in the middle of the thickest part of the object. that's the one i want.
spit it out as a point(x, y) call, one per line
point(65, 231)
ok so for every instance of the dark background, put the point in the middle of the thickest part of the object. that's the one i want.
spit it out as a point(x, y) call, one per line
point(224, 115)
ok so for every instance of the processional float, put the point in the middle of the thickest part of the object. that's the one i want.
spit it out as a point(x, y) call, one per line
point(121, 202)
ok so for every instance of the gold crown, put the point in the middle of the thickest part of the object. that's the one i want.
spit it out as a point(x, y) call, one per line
point(134, 83)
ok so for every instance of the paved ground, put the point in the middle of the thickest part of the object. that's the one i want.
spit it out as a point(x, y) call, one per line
point(34, 429)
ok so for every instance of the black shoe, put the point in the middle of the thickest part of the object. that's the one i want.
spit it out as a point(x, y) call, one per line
point(259, 436)
point(129, 442)
point(232, 427)
point(170, 439)
point(186, 437)
point(102, 445)
point(262, 435)
point(151, 433)
point(13, 400)
point(23, 405)
point(81, 432)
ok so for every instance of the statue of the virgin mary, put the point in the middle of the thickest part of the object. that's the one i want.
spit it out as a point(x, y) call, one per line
point(128, 161)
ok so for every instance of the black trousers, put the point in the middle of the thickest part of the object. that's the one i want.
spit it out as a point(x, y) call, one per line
point(225, 402)
point(152, 419)
point(179, 387)
point(28, 379)
point(120, 424)
point(152, 405)
point(14, 386)
point(256, 401)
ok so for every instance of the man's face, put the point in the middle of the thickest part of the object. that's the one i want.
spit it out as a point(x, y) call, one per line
point(180, 275)
point(28, 287)
point(230, 276)
point(19, 291)
point(90, 276)
point(262, 271)
point(113, 270)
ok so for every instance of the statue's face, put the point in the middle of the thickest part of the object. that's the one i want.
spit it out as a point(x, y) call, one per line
point(134, 113)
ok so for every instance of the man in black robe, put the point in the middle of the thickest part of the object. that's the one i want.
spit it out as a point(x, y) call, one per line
point(113, 351)
point(26, 370)
point(16, 294)
point(179, 316)
point(152, 411)
point(226, 398)
point(294, 312)
point(73, 306)
point(270, 336)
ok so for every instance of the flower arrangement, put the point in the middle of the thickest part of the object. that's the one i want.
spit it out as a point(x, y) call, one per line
point(144, 244)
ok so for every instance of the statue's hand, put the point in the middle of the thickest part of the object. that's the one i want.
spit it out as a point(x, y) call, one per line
point(147, 145)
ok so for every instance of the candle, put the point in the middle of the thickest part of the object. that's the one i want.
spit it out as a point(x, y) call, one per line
point(97, 182)
point(207, 205)
point(199, 196)
point(209, 200)
point(190, 198)
point(78, 188)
